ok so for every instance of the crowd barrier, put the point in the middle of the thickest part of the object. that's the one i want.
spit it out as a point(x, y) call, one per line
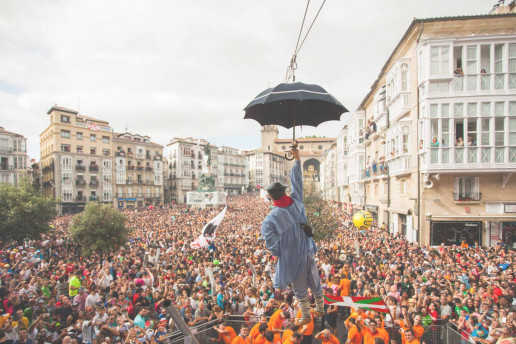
point(440, 333)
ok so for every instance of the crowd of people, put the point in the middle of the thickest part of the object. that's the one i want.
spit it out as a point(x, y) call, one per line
point(51, 293)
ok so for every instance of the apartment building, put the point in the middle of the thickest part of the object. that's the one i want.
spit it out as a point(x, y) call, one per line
point(433, 144)
point(342, 179)
point(329, 187)
point(265, 168)
point(233, 170)
point(138, 171)
point(186, 162)
point(76, 159)
point(13, 157)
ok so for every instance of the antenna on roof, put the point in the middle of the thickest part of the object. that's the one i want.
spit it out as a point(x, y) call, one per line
point(126, 126)
point(79, 105)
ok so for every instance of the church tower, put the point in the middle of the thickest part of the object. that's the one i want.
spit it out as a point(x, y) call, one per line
point(269, 134)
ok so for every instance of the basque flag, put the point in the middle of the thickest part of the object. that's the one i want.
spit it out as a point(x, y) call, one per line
point(367, 303)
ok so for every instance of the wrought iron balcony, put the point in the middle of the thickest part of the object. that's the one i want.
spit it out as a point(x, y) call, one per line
point(93, 168)
point(467, 196)
point(80, 167)
point(80, 182)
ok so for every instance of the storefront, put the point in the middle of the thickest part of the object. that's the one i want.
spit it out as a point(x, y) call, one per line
point(453, 232)
point(502, 232)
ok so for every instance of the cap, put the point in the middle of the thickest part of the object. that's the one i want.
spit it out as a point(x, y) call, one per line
point(275, 187)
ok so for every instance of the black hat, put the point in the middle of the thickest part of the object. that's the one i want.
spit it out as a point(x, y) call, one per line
point(276, 186)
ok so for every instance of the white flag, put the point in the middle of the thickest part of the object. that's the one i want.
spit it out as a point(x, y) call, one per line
point(208, 232)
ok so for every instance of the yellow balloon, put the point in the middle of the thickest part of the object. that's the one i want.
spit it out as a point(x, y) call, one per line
point(363, 219)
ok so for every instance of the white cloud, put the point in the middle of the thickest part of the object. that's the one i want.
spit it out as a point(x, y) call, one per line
point(170, 68)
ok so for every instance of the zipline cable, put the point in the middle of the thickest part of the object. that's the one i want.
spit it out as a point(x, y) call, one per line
point(293, 63)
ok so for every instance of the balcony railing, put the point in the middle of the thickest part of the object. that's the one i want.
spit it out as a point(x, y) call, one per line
point(139, 168)
point(484, 82)
point(148, 168)
point(94, 198)
point(80, 182)
point(93, 168)
point(6, 150)
point(130, 168)
point(467, 196)
point(80, 167)
point(94, 183)
point(80, 199)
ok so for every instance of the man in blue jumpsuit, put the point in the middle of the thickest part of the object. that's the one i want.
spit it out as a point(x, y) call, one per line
point(285, 238)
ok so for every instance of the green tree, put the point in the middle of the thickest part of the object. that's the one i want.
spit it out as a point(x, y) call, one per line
point(319, 212)
point(24, 212)
point(99, 229)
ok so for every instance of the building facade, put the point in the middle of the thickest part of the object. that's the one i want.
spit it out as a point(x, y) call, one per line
point(265, 168)
point(138, 170)
point(76, 159)
point(433, 144)
point(13, 157)
point(186, 162)
point(311, 150)
point(233, 171)
point(342, 178)
point(329, 187)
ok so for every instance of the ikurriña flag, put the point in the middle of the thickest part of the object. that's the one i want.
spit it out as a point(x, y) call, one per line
point(367, 303)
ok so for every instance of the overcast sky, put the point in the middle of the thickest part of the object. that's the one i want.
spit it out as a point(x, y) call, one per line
point(188, 68)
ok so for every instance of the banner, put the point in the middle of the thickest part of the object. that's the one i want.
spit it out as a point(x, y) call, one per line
point(367, 303)
point(208, 231)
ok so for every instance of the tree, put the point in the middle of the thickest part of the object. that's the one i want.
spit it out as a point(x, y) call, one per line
point(319, 213)
point(99, 229)
point(24, 212)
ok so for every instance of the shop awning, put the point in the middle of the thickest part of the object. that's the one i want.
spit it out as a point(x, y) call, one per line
point(486, 217)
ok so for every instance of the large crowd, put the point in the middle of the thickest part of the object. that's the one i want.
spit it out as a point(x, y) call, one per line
point(51, 293)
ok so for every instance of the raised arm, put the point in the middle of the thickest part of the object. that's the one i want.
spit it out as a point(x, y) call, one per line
point(296, 178)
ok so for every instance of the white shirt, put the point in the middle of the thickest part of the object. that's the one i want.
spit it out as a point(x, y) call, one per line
point(92, 300)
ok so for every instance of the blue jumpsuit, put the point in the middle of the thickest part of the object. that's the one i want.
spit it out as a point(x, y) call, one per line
point(285, 239)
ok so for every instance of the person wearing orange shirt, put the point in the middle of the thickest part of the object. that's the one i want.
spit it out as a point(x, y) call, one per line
point(354, 335)
point(276, 320)
point(243, 336)
point(293, 328)
point(326, 337)
point(265, 336)
point(226, 334)
point(408, 338)
point(416, 328)
point(307, 335)
point(372, 332)
point(344, 286)
point(255, 330)
point(296, 338)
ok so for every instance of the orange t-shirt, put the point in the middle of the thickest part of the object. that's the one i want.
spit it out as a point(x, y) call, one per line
point(228, 337)
point(418, 331)
point(344, 287)
point(309, 327)
point(240, 340)
point(414, 341)
point(254, 332)
point(275, 322)
point(260, 339)
point(354, 335)
point(287, 334)
point(369, 337)
point(331, 340)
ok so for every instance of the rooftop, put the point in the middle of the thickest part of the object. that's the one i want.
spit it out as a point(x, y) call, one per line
point(3, 131)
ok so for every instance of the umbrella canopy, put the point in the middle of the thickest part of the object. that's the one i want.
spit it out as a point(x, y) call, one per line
point(294, 104)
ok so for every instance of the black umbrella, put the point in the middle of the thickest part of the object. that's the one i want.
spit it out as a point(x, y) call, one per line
point(294, 104)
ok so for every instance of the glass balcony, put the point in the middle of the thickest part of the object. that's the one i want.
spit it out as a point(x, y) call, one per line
point(484, 82)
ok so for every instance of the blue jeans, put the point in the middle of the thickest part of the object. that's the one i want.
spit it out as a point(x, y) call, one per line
point(308, 278)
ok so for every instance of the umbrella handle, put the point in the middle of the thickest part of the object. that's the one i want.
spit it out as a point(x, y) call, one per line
point(294, 146)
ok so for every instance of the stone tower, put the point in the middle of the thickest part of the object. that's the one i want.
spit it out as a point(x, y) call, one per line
point(269, 134)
